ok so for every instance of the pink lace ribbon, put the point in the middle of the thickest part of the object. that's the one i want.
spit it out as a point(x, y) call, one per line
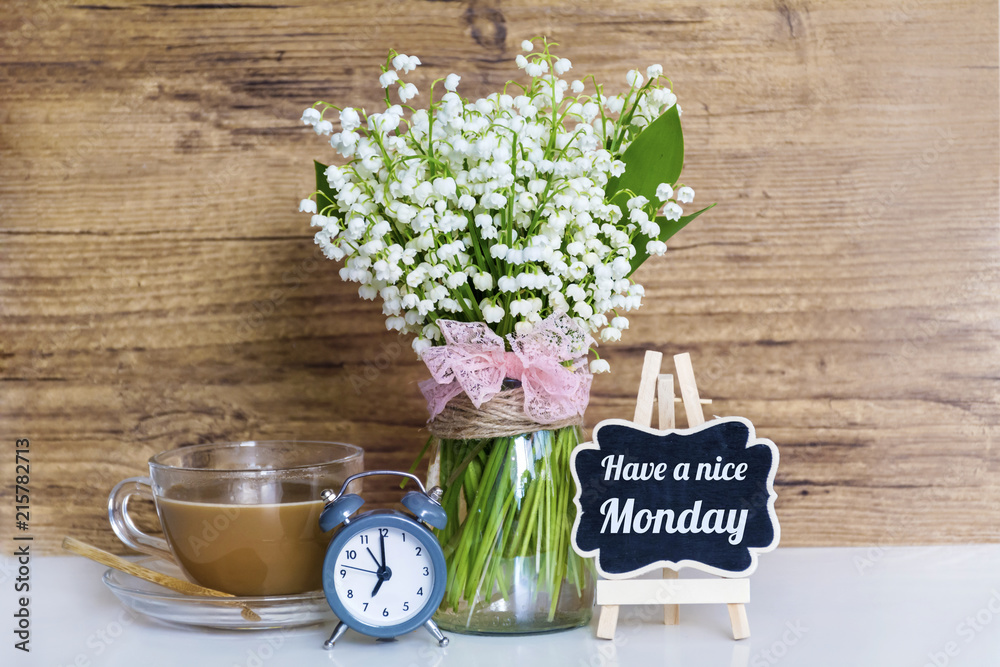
point(473, 360)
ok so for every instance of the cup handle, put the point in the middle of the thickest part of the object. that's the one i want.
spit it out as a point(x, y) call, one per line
point(122, 523)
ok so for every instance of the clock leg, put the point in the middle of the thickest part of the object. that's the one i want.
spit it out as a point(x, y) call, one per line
point(337, 632)
point(436, 631)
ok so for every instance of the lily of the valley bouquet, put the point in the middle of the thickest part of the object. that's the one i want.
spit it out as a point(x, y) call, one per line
point(503, 232)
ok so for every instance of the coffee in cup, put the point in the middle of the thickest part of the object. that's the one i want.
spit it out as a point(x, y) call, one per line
point(242, 518)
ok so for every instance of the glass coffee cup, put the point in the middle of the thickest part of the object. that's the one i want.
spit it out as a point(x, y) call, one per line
point(241, 518)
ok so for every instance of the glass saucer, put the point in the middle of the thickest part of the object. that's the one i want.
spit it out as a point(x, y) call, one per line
point(162, 604)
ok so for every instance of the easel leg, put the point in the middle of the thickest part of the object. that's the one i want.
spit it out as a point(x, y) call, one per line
point(738, 618)
point(608, 622)
point(671, 612)
point(665, 398)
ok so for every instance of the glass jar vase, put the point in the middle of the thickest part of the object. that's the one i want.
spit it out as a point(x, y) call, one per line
point(511, 568)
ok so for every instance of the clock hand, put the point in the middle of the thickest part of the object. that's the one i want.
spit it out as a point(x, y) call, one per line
point(383, 572)
point(360, 569)
point(373, 557)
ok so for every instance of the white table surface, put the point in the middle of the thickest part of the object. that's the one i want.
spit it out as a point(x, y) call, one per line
point(911, 606)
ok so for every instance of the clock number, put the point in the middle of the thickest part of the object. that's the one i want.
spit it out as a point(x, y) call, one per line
point(364, 539)
point(418, 551)
point(351, 554)
point(383, 532)
point(404, 537)
point(406, 606)
point(385, 612)
point(350, 593)
point(420, 591)
point(366, 606)
point(343, 573)
point(426, 572)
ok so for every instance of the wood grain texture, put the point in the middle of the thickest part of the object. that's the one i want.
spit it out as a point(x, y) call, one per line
point(158, 287)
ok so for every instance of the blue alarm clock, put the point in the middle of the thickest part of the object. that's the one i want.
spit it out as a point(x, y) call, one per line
point(384, 573)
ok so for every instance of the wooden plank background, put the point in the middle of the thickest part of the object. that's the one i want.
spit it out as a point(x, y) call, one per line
point(158, 287)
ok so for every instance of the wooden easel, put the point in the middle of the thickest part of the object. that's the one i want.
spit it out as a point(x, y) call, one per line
point(671, 591)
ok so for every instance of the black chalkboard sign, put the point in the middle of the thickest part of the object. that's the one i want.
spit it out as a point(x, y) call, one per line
point(701, 497)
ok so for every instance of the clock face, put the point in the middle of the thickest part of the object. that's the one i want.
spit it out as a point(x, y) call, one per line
point(384, 575)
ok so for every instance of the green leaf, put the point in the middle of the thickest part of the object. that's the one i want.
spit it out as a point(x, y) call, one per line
point(655, 156)
point(667, 229)
point(325, 196)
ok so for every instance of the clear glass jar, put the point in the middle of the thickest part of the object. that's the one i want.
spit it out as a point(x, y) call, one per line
point(511, 568)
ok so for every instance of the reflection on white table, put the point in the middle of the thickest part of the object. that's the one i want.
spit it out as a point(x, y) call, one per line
point(906, 606)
